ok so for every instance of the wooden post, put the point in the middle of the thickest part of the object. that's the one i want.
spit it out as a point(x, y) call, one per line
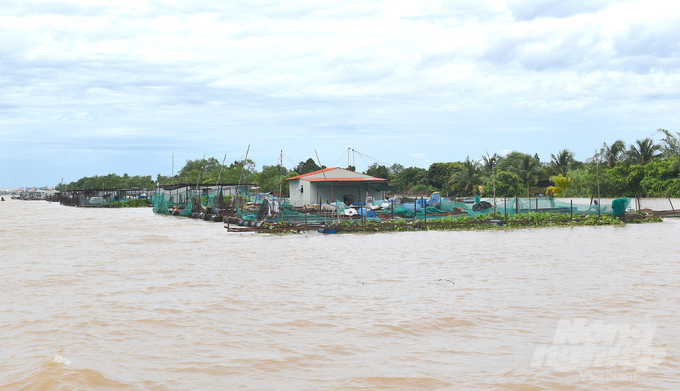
point(669, 200)
point(506, 210)
point(392, 209)
point(415, 208)
point(571, 211)
point(422, 205)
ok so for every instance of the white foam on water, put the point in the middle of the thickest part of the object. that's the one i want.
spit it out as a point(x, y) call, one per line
point(60, 360)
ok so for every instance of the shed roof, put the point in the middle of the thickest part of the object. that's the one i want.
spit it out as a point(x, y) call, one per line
point(335, 174)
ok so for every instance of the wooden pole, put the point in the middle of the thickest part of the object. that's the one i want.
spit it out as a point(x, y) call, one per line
point(571, 211)
point(281, 190)
point(669, 200)
point(599, 201)
point(493, 168)
point(424, 208)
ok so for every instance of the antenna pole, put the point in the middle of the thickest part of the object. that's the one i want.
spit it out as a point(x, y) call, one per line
point(599, 201)
point(219, 177)
point(281, 189)
point(242, 167)
point(493, 169)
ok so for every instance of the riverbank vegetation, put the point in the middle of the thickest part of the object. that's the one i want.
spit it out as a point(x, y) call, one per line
point(133, 203)
point(483, 221)
point(644, 168)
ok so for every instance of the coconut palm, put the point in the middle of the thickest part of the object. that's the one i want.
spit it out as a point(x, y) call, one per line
point(527, 168)
point(561, 185)
point(644, 152)
point(489, 161)
point(612, 154)
point(581, 179)
point(562, 163)
point(671, 143)
point(469, 178)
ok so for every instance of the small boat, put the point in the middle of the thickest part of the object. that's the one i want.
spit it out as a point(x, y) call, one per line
point(2, 198)
point(328, 230)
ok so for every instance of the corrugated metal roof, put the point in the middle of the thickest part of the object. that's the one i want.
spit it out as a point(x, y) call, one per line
point(370, 179)
point(345, 176)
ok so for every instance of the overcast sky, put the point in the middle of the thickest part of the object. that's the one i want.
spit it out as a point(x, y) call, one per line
point(97, 87)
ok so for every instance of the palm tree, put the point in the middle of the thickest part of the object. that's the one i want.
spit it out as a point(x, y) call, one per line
point(561, 185)
point(528, 168)
point(489, 161)
point(580, 179)
point(469, 178)
point(644, 152)
point(671, 143)
point(612, 154)
point(562, 163)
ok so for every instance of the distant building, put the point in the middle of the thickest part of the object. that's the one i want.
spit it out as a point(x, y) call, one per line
point(330, 184)
point(37, 194)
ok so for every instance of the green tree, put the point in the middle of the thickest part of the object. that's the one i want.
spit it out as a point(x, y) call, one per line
point(671, 144)
point(643, 151)
point(240, 171)
point(268, 179)
point(488, 161)
point(193, 169)
point(438, 174)
point(378, 171)
point(468, 179)
point(307, 166)
point(396, 169)
point(508, 184)
point(562, 163)
point(528, 168)
point(561, 185)
point(612, 154)
point(660, 178)
point(412, 176)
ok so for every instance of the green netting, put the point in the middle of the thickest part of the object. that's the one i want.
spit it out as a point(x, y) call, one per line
point(619, 206)
point(187, 210)
point(159, 205)
point(291, 216)
point(268, 211)
point(512, 206)
point(210, 203)
point(410, 213)
point(340, 208)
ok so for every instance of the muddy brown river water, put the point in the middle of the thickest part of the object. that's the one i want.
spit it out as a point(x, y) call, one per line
point(123, 299)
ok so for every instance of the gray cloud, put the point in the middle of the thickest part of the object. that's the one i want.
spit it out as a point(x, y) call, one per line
point(105, 84)
point(527, 10)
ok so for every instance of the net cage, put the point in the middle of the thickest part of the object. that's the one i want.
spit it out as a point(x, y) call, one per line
point(270, 211)
point(503, 206)
point(186, 200)
point(101, 197)
point(278, 210)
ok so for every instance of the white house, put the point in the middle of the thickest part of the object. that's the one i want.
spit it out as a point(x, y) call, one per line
point(330, 184)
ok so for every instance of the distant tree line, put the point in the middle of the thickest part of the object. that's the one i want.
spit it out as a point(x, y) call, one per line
point(643, 168)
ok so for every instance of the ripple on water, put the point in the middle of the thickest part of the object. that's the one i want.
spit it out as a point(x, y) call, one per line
point(137, 301)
